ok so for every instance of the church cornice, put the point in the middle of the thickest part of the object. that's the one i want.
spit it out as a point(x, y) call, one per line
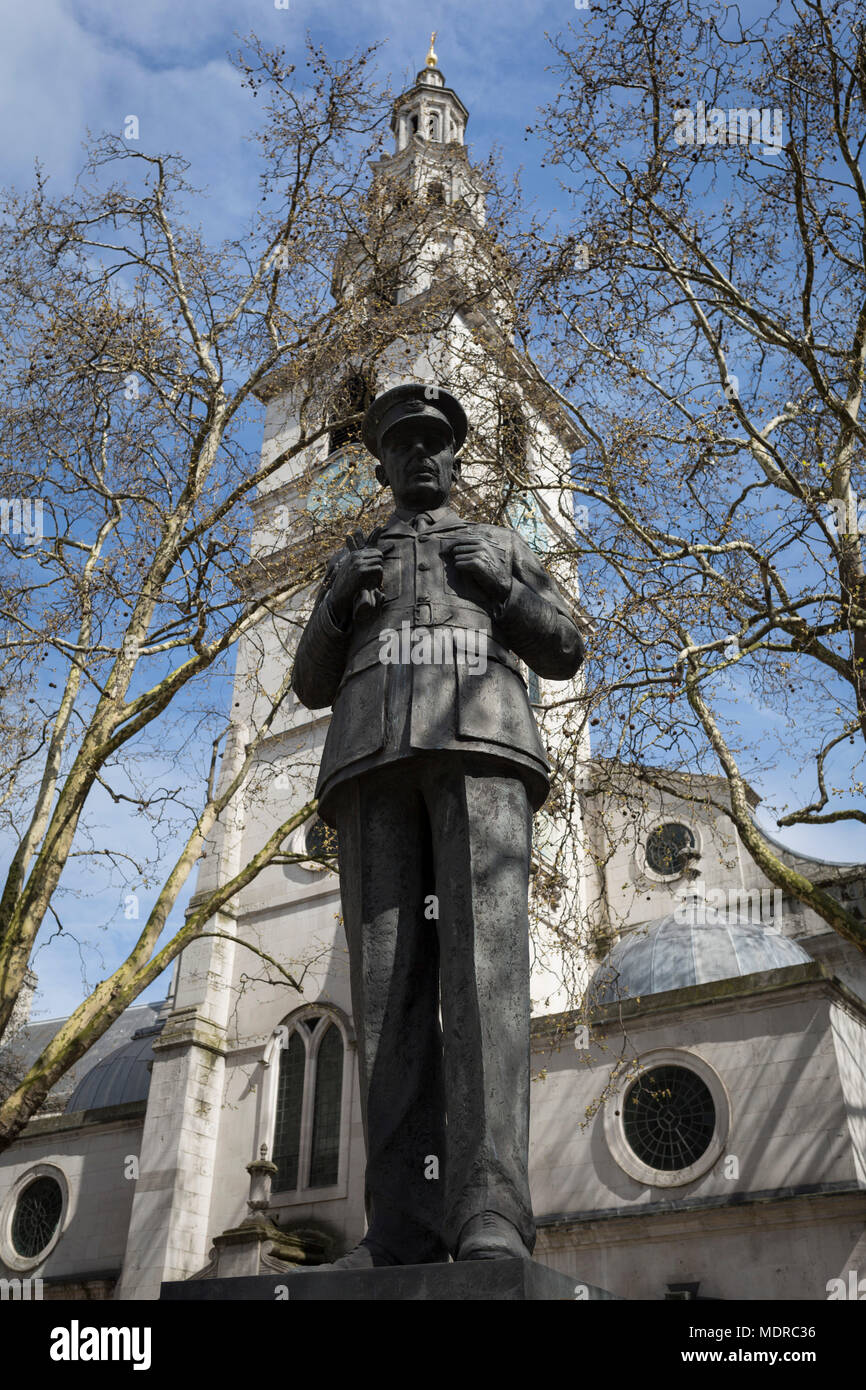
point(624, 776)
point(487, 331)
point(430, 151)
point(740, 994)
point(691, 1216)
point(109, 1117)
point(425, 89)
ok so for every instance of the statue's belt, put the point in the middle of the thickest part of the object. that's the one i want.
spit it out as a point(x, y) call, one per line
point(431, 615)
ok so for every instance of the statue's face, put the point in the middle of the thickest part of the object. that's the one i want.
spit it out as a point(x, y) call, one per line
point(418, 463)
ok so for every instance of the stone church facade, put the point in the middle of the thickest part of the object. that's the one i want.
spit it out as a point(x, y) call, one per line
point(703, 1135)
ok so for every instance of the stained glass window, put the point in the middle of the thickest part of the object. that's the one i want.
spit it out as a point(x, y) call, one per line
point(669, 1118)
point(290, 1099)
point(36, 1217)
point(325, 1157)
point(293, 1141)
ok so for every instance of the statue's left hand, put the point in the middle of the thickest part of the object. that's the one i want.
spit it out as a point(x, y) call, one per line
point(486, 564)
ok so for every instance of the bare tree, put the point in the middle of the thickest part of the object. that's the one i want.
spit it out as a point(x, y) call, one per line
point(703, 318)
point(136, 359)
point(134, 356)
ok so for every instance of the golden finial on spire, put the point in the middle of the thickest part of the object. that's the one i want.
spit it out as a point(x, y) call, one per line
point(432, 60)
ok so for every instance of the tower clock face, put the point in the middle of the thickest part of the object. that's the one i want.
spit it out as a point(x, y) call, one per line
point(525, 515)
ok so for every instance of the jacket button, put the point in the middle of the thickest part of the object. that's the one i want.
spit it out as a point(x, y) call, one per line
point(423, 565)
point(422, 539)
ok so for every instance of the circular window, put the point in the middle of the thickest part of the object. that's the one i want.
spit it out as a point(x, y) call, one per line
point(669, 848)
point(314, 838)
point(320, 839)
point(36, 1218)
point(669, 1125)
point(669, 1118)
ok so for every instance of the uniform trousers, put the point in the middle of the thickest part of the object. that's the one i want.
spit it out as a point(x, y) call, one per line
point(434, 857)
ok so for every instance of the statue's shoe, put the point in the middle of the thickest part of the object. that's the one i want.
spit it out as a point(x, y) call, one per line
point(367, 1255)
point(490, 1236)
point(371, 1255)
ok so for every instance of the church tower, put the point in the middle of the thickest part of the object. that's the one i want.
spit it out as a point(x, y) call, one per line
point(244, 1059)
point(428, 114)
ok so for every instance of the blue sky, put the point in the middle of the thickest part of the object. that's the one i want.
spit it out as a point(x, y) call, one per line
point(72, 66)
point(86, 64)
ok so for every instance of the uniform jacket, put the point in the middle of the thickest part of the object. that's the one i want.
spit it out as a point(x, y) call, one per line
point(384, 713)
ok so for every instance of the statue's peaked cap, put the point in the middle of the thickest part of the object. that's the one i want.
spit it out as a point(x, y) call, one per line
point(412, 399)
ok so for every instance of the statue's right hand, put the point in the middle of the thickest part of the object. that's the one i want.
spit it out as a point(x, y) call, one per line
point(360, 569)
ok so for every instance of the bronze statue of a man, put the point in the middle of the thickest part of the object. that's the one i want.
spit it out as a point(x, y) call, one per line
point(431, 771)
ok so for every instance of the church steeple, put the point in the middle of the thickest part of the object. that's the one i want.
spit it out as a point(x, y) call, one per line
point(428, 168)
point(429, 111)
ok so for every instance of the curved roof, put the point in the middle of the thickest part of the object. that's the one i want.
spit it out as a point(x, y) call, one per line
point(26, 1045)
point(667, 954)
point(121, 1077)
point(802, 855)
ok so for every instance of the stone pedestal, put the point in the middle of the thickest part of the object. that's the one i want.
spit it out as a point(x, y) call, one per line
point(257, 1246)
point(473, 1280)
point(246, 1251)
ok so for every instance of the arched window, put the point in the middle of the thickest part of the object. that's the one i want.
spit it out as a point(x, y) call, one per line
point(307, 1129)
point(290, 1100)
point(325, 1153)
point(385, 286)
point(436, 192)
point(434, 126)
point(512, 432)
point(353, 395)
